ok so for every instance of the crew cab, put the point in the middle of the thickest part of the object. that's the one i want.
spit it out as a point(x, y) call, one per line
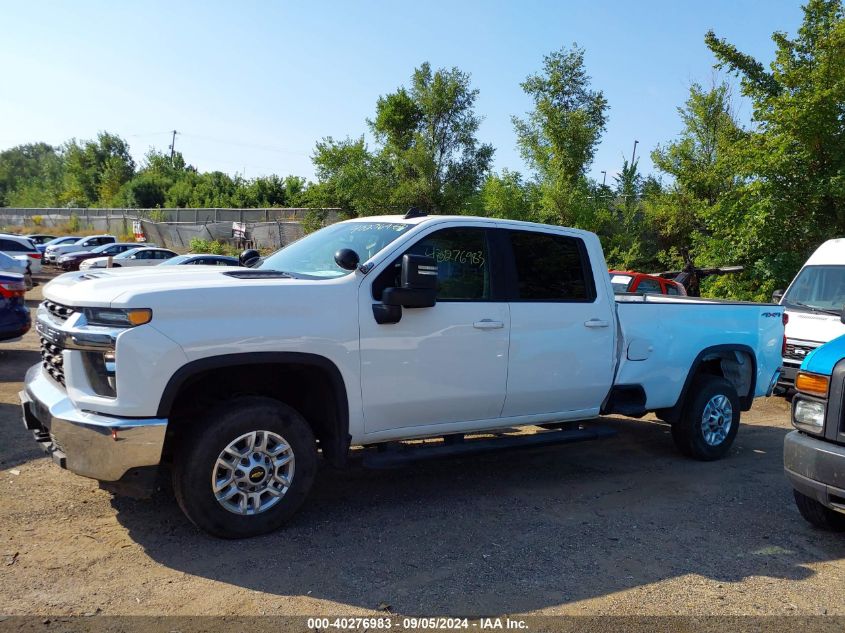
point(365, 333)
point(814, 453)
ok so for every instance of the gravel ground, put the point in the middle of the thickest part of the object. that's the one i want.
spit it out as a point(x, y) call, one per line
point(622, 526)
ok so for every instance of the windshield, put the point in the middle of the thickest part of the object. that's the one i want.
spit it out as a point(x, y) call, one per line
point(820, 288)
point(176, 260)
point(128, 254)
point(101, 248)
point(313, 255)
point(620, 283)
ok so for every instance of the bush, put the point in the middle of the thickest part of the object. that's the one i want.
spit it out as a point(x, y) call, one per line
point(199, 245)
point(73, 224)
point(157, 215)
point(37, 220)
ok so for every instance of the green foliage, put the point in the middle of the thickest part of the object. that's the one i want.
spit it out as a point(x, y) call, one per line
point(790, 168)
point(37, 220)
point(427, 154)
point(213, 247)
point(157, 215)
point(74, 224)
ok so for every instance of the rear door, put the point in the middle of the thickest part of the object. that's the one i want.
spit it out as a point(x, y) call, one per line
point(562, 339)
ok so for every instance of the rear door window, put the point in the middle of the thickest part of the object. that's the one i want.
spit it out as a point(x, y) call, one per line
point(551, 267)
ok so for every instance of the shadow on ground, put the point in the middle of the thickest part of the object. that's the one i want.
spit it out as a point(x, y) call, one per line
point(515, 531)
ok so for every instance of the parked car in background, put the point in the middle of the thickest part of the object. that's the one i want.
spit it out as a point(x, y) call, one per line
point(57, 241)
point(144, 256)
point(14, 315)
point(71, 261)
point(640, 283)
point(201, 259)
point(40, 238)
point(53, 252)
point(17, 266)
point(813, 305)
point(814, 454)
point(21, 246)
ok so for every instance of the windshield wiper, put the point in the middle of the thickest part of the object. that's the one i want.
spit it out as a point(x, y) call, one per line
point(816, 309)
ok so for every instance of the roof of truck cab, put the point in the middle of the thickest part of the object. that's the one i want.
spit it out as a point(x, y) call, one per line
point(831, 252)
point(424, 219)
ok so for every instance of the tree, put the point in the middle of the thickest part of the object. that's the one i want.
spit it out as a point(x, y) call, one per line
point(30, 175)
point(558, 138)
point(96, 170)
point(701, 163)
point(791, 165)
point(508, 196)
point(350, 177)
point(428, 136)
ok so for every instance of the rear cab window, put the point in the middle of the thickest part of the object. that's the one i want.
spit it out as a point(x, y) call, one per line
point(550, 267)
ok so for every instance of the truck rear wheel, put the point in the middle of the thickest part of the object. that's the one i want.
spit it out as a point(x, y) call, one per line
point(817, 514)
point(710, 419)
point(246, 468)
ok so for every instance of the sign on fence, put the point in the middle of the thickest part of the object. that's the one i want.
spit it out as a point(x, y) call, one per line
point(138, 230)
point(239, 230)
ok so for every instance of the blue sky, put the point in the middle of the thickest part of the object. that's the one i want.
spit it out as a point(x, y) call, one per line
point(251, 86)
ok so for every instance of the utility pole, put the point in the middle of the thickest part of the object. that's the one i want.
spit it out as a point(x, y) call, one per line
point(172, 146)
point(633, 154)
point(603, 178)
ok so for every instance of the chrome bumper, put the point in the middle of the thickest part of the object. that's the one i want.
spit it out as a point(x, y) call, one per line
point(86, 443)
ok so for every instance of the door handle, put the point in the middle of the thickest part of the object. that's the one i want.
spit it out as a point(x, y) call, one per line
point(596, 323)
point(488, 324)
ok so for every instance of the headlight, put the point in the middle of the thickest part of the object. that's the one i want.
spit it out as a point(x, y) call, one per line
point(808, 415)
point(116, 317)
point(814, 384)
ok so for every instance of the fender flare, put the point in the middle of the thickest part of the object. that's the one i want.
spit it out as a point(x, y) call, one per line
point(744, 399)
point(182, 375)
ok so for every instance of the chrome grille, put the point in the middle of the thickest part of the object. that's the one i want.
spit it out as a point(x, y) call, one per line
point(797, 352)
point(52, 360)
point(58, 311)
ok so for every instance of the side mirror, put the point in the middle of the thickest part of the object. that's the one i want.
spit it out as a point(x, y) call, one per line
point(249, 257)
point(777, 295)
point(419, 284)
point(347, 259)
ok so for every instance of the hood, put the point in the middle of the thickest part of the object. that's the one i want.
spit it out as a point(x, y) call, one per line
point(810, 326)
point(124, 287)
point(823, 359)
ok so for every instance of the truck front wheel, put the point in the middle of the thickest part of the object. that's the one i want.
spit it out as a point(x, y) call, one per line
point(710, 419)
point(246, 468)
point(817, 514)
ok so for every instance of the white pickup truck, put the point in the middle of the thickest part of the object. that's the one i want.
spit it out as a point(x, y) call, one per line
point(368, 332)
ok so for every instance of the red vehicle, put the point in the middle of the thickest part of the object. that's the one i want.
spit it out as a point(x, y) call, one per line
point(640, 283)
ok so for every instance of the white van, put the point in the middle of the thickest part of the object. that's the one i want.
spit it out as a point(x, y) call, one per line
point(813, 302)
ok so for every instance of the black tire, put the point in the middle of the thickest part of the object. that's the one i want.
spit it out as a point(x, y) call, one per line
point(817, 514)
point(688, 432)
point(204, 441)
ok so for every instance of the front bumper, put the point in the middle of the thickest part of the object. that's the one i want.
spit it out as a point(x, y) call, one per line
point(816, 468)
point(105, 448)
point(787, 375)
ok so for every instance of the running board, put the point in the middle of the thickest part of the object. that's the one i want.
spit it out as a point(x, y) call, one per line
point(404, 454)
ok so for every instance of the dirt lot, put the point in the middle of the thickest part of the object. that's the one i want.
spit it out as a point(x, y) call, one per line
point(620, 526)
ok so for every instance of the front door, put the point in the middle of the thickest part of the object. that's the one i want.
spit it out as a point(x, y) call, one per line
point(443, 364)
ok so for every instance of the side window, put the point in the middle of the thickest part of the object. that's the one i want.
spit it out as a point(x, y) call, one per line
point(463, 268)
point(12, 246)
point(672, 289)
point(463, 265)
point(649, 287)
point(551, 267)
